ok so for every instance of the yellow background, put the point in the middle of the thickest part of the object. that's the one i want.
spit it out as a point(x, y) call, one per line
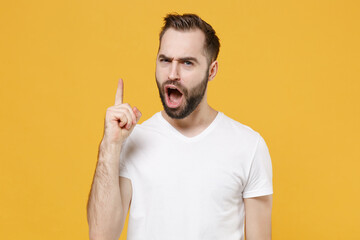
point(288, 69)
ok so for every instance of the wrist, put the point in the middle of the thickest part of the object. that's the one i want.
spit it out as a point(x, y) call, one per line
point(109, 152)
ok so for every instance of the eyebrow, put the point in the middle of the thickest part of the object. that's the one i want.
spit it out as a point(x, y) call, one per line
point(183, 59)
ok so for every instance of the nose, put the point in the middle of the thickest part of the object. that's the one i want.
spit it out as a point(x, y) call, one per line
point(174, 71)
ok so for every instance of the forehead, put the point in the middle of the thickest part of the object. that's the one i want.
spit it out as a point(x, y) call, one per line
point(182, 43)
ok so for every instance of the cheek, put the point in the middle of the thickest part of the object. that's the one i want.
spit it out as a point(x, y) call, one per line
point(193, 78)
point(160, 72)
point(157, 74)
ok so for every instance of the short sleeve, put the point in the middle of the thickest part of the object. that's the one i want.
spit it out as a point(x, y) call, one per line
point(124, 162)
point(124, 171)
point(259, 182)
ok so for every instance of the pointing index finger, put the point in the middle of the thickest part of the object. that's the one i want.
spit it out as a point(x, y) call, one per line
point(119, 92)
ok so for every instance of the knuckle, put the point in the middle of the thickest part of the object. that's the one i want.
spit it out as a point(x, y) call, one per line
point(124, 109)
point(108, 112)
point(121, 114)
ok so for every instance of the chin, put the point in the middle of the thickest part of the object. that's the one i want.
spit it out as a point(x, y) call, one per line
point(176, 113)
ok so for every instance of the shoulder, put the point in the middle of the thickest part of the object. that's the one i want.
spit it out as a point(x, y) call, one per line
point(237, 129)
point(151, 124)
point(149, 127)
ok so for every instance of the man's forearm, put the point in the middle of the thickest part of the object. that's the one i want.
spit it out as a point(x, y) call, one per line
point(104, 209)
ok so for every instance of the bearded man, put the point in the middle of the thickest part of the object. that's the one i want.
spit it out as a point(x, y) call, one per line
point(188, 172)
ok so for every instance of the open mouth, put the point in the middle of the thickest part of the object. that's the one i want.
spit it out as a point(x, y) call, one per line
point(174, 96)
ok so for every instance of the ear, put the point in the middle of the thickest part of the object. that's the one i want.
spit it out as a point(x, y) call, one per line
point(213, 70)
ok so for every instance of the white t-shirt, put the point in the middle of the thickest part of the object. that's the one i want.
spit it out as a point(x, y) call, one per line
point(193, 187)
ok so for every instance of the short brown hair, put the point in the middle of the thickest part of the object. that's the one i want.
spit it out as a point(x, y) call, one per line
point(187, 22)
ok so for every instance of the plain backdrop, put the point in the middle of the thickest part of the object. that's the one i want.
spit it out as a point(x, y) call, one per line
point(288, 69)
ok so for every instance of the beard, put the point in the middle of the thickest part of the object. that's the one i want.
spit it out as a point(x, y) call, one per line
point(192, 98)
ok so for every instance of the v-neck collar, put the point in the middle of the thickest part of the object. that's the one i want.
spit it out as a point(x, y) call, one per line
point(196, 138)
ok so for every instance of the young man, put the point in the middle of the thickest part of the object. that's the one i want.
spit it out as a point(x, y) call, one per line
point(188, 172)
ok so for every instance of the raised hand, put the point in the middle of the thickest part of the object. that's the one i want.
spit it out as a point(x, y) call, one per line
point(120, 119)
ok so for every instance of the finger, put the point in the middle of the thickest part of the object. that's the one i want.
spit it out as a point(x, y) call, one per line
point(129, 109)
point(123, 119)
point(119, 92)
point(133, 116)
point(128, 121)
point(137, 113)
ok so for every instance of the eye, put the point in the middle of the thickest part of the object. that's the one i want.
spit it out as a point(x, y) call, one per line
point(163, 60)
point(188, 63)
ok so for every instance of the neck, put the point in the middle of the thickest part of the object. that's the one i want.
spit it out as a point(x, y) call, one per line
point(196, 122)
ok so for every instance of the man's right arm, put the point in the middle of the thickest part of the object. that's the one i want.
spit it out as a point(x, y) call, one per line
point(110, 195)
point(109, 198)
